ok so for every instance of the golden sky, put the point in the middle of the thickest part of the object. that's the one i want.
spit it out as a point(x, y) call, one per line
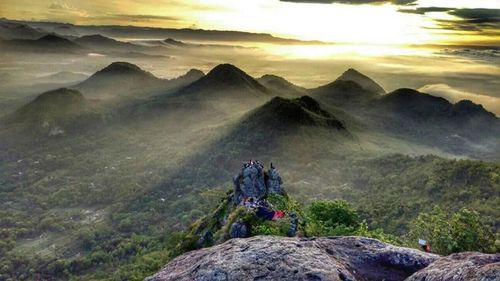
point(383, 22)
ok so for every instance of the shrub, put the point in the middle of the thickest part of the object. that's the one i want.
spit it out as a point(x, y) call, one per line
point(452, 233)
point(327, 218)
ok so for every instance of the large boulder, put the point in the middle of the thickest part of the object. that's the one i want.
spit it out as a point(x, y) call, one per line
point(279, 258)
point(461, 267)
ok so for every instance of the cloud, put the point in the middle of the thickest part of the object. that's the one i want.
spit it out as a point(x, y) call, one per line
point(62, 8)
point(492, 15)
point(477, 19)
point(143, 17)
point(455, 95)
point(353, 2)
point(424, 10)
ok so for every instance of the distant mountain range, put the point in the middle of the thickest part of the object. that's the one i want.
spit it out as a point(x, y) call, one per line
point(463, 128)
point(151, 32)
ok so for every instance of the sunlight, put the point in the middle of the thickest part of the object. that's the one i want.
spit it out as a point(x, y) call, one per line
point(365, 24)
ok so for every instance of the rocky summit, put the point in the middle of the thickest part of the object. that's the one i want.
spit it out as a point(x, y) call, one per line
point(314, 259)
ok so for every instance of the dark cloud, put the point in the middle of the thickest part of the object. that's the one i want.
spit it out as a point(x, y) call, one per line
point(143, 17)
point(478, 19)
point(424, 10)
point(354, 2)
point(473, 20)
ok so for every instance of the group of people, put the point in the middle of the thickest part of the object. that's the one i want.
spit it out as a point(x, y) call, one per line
point(252, 184)
point(263, 209)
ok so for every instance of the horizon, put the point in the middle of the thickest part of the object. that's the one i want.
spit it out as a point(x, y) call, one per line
point(126, 129)
point(403, 23)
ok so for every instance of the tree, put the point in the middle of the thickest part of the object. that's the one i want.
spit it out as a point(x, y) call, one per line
point(331, 217)
point(452, 233)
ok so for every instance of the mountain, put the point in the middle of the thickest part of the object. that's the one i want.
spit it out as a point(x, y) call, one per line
point(414, 104)
point(280, 114)
point(191, 76)
point(364, 81)
point(342, 93)
point(352, 90)
point(281, 86)
point(102, 43)
point(53, 113)
point(46, 44)
point(62, 77)
point(262, 133)
point(12, 30)
point(173, 42)
point(225, 81)
point(119, 79)
point(463, 128)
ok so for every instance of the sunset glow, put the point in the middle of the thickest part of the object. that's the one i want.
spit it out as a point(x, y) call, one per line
point(382, 24)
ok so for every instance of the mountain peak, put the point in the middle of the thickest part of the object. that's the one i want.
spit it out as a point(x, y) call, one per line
point(364, 81)
point(467, 107)
point(232, 75)
point(123, 68)
point(280, 112)
point(94, 38)
point(52, 38)
point(226, 77)
point(118, 79)
point(60, 96)
point(281, 86)
point(194, 72)
point(174, 42)
point(226, 69)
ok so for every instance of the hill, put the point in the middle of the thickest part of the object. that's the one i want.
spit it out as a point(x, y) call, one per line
point(175, 43)
point(464, 128)
point(225, 91)
point(281, 86)
point(54, 113)
point(225, 80)
point(119, 79)
point(364, 81)
point(12, 30)
point(102, 43)
point(46, 44)
point(352, 90)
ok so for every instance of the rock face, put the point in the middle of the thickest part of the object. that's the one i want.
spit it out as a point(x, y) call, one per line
point(252, 181)
point(278, 258)
point(461, 267)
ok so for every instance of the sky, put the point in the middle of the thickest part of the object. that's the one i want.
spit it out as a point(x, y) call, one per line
point(376, 22)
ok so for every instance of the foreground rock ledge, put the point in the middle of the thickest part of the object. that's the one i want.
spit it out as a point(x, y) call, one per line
point(279, 258)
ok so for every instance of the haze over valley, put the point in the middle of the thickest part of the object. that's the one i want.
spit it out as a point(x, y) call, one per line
point(118, 132)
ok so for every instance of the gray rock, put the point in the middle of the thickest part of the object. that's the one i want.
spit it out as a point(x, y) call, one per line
point(461, 267)
point(274, 182)
point(280, 258)
point(239, 230)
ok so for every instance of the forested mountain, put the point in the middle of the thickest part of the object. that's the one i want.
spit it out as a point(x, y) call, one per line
point(103, 196)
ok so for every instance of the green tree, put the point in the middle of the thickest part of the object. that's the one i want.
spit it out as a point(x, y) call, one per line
point(331, 217)
point(452, 233)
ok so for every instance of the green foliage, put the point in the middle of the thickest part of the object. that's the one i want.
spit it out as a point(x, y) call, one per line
point(453, 233)
point(331, 217)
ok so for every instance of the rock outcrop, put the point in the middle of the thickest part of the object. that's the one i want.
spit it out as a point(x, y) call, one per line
point(461, 267)
point(279, 258)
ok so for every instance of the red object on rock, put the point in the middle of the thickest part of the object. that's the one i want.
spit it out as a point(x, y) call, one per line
point(278, 215)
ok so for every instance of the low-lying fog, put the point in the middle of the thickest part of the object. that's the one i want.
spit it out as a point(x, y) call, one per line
point(454, 74)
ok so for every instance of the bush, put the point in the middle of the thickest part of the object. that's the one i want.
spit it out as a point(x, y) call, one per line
point(452, 233)
point(327, 218)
